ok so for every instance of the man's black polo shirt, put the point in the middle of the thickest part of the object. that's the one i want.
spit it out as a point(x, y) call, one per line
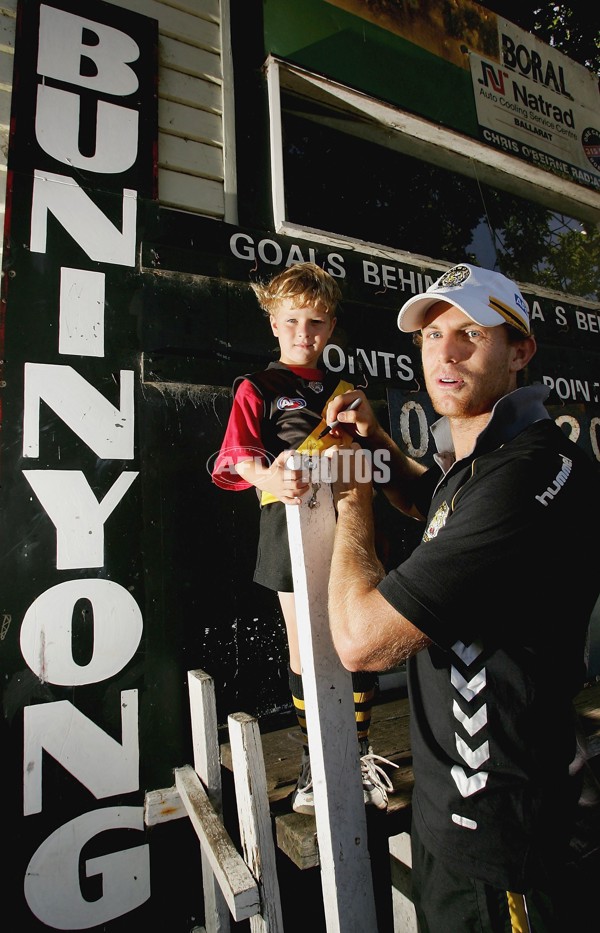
point(503, 582)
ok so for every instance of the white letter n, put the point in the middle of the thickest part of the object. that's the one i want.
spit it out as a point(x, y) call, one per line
point(99, 762)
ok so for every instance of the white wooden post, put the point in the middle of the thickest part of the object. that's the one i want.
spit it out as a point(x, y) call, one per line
point(334, 754)
point(254, 819)
point(405, 915)
point(205, 739)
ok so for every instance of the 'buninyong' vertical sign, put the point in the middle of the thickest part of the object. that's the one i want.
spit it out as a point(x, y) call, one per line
point(82, 155)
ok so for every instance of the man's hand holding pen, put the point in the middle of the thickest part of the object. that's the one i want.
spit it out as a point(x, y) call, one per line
point(350, 412)
point(350, 467)
point(336, 424)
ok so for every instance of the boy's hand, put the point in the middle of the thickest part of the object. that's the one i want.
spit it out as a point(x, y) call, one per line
point(287, 483)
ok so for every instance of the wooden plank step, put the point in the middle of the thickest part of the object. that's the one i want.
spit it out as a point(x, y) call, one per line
point(296, 832)
point(282, 749)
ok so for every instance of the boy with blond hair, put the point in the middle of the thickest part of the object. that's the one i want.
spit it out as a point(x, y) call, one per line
point(277, 411)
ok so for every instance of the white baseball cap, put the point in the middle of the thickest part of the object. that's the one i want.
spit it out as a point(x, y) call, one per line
point(488, 298)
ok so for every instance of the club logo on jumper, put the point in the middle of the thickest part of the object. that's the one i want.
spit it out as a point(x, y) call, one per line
point(290, 404)
point(453, 277)
point(437, 522)
point(561, 478)
point(316, 387)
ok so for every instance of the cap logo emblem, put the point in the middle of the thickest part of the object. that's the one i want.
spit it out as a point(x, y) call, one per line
point(452, 277)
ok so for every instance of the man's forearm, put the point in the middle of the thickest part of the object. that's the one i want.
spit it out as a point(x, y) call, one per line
point(355, 573)
point(355, 560)
point(368, 634)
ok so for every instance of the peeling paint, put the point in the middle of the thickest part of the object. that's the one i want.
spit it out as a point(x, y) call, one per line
point(182, 392)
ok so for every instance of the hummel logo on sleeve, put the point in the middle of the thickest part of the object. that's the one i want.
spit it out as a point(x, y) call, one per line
point(561, 478)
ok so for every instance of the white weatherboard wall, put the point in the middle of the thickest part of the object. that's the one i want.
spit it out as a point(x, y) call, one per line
point(195, 107)
point(196, 160)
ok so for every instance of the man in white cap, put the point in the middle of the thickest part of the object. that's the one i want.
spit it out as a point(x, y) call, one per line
point(490, 611)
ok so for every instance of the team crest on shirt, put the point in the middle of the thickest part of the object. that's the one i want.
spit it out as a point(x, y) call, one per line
point(285, 403)
point(437, 522)
point(316, 387)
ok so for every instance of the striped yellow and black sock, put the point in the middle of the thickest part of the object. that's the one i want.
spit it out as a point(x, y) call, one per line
point(297, 691)
point(364, 685)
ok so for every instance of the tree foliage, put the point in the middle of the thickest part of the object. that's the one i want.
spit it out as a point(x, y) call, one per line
point(572, 27)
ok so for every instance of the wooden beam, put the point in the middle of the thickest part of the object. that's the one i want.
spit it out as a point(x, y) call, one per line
point(254, 819)
point(205, 739)
point(346, 877)
point(405, 917)
point(162, 806)
point(235, 879)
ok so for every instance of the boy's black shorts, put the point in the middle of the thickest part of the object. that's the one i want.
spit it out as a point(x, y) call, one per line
point(273, 561)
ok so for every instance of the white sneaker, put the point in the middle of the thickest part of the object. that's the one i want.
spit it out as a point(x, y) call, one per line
point(376, 783)
point(303, 798)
